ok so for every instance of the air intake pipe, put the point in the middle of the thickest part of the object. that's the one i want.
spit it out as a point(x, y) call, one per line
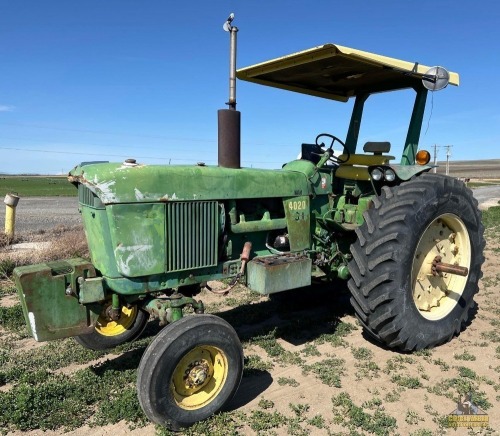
point(229, 120)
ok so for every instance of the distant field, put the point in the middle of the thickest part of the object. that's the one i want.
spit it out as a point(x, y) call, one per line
point(476, 169)
point(36, 186)
point(473, 185)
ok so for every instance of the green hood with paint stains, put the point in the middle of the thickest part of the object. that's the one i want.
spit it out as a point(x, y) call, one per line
point(130, 183)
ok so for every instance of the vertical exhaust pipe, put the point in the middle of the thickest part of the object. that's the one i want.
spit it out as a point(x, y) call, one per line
point(229, 120)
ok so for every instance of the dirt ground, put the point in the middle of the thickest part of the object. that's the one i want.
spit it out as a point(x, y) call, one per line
point(417, 390)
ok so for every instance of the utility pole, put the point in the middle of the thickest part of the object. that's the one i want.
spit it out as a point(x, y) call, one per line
point(435, 157)
point(448, 154)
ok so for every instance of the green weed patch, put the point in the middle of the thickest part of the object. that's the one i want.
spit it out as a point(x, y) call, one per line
point(329, 371)
point(12, 318)
point(491, 217)
point(355, 418)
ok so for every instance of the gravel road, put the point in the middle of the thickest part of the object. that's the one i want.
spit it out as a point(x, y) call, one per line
point(487, 196)
point(42, 213)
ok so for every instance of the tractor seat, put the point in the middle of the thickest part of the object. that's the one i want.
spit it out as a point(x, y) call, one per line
point(356, 168)
point(377, 147)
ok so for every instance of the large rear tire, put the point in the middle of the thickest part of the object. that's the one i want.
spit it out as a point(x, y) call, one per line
point(190, 371)
point(398, 296)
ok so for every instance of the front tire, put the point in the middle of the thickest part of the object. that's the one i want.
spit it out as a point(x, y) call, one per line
point(397, 296)
point(190, 371)
point(109, 334)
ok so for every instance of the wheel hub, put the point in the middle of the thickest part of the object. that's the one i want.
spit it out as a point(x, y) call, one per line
point(198, 375)
point(107, 326)
point(440, 266)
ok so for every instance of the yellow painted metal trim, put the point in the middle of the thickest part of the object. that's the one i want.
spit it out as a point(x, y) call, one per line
point(352, 172)
point(366, 159)
point(294, 59)
point(405, 66)
point(300, 90)
point(252, 73)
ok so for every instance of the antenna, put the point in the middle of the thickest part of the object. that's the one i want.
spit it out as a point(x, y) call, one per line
point(436, 78)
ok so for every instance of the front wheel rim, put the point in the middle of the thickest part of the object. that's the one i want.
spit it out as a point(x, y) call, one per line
point(446, 238)
point(107, 327)
point(199, 377)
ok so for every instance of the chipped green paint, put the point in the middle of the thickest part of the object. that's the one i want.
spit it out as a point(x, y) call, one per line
point(271, 274)
point(118, 183)
point(49, 297)
point(138, 238)
point(406, 172)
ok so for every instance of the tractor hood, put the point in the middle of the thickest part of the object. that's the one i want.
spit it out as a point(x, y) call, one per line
point(125, 183)
point(338, 73)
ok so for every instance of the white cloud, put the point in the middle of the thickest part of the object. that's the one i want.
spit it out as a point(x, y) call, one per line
point(6, 108)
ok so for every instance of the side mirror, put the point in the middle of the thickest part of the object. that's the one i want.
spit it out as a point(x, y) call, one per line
point(436, 78)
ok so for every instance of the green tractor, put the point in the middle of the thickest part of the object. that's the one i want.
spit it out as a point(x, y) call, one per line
point(408, 242)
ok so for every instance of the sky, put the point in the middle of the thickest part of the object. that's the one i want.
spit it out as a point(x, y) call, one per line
point(117, 79)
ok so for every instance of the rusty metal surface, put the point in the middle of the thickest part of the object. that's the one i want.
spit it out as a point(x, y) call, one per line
point(440, 267)
point(271, 274)
point(229, 138)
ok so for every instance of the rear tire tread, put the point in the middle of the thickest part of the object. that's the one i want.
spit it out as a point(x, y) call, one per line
point(379, 286)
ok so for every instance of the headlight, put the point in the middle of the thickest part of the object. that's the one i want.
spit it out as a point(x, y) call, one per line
point(377, 174)
point(389, 175)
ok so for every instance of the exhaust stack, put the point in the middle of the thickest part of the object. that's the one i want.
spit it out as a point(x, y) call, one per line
point(229, 120)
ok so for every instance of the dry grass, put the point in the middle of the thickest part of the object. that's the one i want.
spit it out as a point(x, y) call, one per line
point(58, 243)
point(4, 240)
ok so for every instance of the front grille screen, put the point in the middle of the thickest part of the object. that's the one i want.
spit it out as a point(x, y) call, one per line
point(87, 198)
point(192, 232)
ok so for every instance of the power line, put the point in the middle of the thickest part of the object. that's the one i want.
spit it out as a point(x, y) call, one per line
point(104, 132)
point(123, 156)
point(86, 144)
point(133, 135)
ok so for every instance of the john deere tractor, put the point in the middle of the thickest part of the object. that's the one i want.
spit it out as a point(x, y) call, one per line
point(408, 242)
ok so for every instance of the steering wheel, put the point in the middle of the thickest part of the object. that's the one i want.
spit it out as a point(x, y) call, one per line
point(333, 158)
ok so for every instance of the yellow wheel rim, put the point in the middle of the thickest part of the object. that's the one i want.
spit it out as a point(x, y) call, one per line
point(199, 377)
point(107, 327)
point(435, 295)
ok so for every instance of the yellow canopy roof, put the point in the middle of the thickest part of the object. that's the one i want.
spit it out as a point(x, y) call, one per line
point(338, 73)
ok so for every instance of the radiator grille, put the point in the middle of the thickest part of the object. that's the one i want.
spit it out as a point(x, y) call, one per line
point(191, 235)
point(87, 198)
